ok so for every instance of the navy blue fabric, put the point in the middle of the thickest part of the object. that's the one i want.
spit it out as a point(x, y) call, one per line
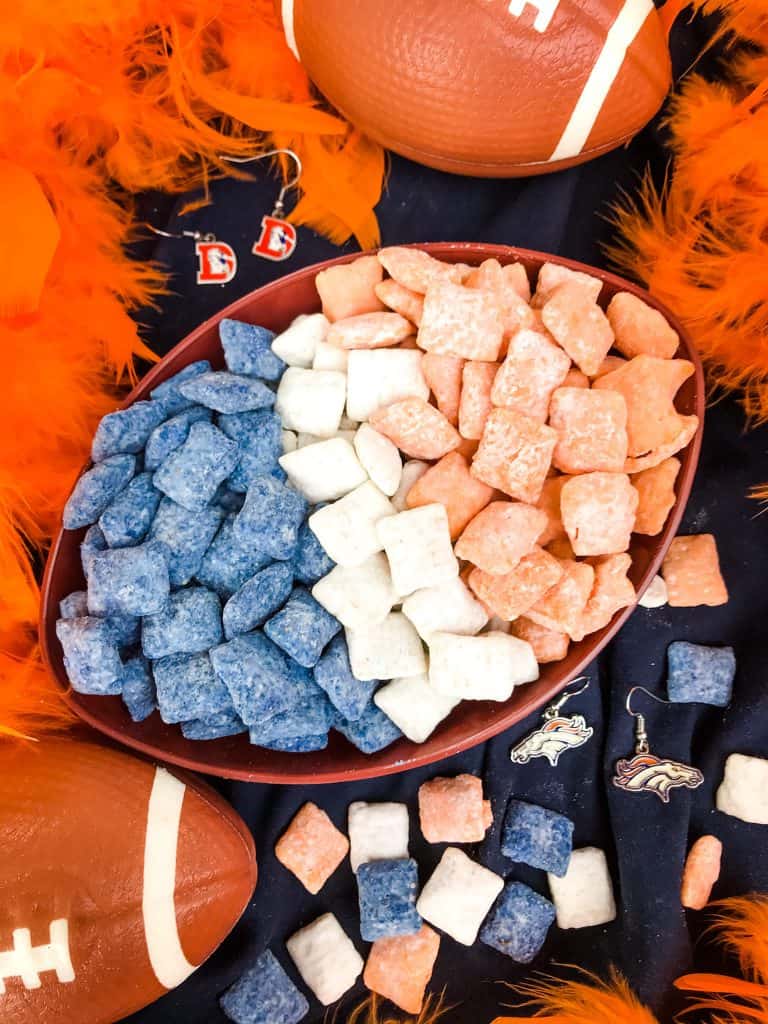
point(653, 940)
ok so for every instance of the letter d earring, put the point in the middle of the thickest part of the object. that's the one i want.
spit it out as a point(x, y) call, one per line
point(558, 733)
point(646, 773)
point(216, 261)
point(278, 238)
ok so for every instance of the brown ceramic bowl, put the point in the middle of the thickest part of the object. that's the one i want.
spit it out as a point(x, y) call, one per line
point(472, 722)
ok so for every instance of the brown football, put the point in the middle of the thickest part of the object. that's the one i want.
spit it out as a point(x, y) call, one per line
point(497, 88)
point(117, 879)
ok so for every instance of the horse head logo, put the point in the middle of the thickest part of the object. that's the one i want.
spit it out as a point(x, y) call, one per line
point(646, 773)
point(554, 737)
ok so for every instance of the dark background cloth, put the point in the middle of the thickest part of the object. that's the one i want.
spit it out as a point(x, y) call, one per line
point(652, 941)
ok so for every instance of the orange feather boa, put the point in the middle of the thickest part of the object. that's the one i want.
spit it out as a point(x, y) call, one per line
point(99, 98)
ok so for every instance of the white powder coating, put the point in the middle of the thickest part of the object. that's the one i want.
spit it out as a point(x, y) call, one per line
point(459, 895)
point(379, 457)
point(655, 594)
point(583, 897)
point(743, 793)
point(325, 958)
point(414, 706)
point(324, 471)
point(380, 377)
point(387, 650)
point(377, 832)
point(347, 528)
point(296, 346)
point(485, 667)
point(311, 401)
point(448, 608)
point(418, 545)
point(357, 596)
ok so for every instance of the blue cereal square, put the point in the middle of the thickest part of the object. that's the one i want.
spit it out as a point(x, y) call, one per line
point(129, 516)
point(171, 434)
point(537, 836)
point(91, 657)
point(257, 599)
point(228, 392)
point(189, 623)
point(138, 689)
point(215, 727)
point(248, 350)
point(229, 562)
point(168, 395)
point(264, 995)
point(188, 688)
point(191, 475)
point(387, 890)
point(271, 518)
point(129, 581)
point(95, 489)
point(302, 628)
point(371, 732)
point(294, 745)
point(310, 563)
point(259, 436)
point(518, 923)
point(699, 674)
point(74, 605)
point(93, 541)
point(187, 536)
point(311, 713)
point(126, 629)
point(258, 676)
point(333, 673)
point(126, 430)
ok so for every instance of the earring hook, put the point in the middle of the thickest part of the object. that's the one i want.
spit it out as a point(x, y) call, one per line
point(642, 689)
point(553, 708)
point(641, 734)
point(197, 236)
point(287, 186)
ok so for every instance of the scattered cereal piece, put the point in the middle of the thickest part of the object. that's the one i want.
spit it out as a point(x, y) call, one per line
point(688, 427)
point(227, 392)
point(168, 394)
point(399, 968)
point(534, 366)
point(296, 346)
point(128, 517)
point(453, 810)
point(333, 673)
point(656, 488)
point(443, 374)
point(379, 458)
point(271, 517)
point(518, 923)
point(91, 656)
point(248, 350)
point(538, 837)
point(386, 650)
point(370, 330)
point(414, 707)
point(417, 428)
point(552, 275)
point(192, 473)
point(547, 644)
point(691, 571)
point(702, 870)
point(387, 894)
point(129, 581)
point(347, 528)
point(475, 405)
point(401, 299)
point(743, 793)
point(598, 511)
point(450, 483)
point(311, 401)
point(360, 595)
point(377, 832)
point(416, 269)
point(376, 378)
point(418, 545)
point(96, 489)
point(485, 667)
point(612, 591)
point(350, 288)
point(655, 594)
point(561, 608)
point(513, 593)
point(579, 325)
point(583, 897)
point(515, 454)
point(189, 624)
point(460, 321)
point(500, 535)
point(325, 958)
point(640, 329)
point(257, 599)
point(324, 471)
point(302, 628)
point(188, 688)
point(447, 608)
point(264, 994)
point(699, 674)
point(458, 896)
point(312, 847)
point(127, 430)
point(592, 428)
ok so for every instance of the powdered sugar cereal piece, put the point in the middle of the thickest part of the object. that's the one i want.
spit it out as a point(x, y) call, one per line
point(598, 511)
point(640, 329)
point(515, 454)
point(450, 484)
point(417, 428)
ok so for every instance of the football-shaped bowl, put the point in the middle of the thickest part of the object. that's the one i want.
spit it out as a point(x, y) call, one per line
point(118, 878)
point(496, 88)
point(275, 306)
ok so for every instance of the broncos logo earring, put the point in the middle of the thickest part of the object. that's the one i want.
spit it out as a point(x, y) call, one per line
point(558, 733)
point(646, 773)
point(278, 238)
point(216, 261)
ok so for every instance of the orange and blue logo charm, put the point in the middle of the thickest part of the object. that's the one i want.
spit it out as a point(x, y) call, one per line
point(552, 740)
point(216, 262)
point(277, 240)
point(646, 773)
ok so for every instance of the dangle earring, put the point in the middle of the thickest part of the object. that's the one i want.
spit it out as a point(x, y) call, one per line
point(646, 773)
point(216, 261)
point(278, 238)
point(558, 733)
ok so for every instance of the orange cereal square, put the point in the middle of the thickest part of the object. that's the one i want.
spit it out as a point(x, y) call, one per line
point(416, 269)
point(552, 275)
point(312, 847)
point(515, 454)
point(453, 810)
point(534, 366)
point(592, 430)
point(490, 276)
point(640, 329)
point(350, 289)
point(656, 490)
point(688, 427)
point(515, 592)
point(401, 299)
point(450, 483)
point(598, 511)
point(549, 503)
point(578, 324)
point(417, 428)
point(691, 571)
point(500, 535)
point(561, 608)
point(612, 591)
point(460, 321)
point(369, 330)
point(443, 375)
point(399, 968)
point(548, 645)
point(475, 406)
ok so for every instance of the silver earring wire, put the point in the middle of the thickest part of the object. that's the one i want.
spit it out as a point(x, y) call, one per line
point(197, 236)
point(287, 186)
point(641, 734)
point(553, 709)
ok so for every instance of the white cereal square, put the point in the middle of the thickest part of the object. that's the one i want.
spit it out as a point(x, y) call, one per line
point(386, 650)
point(347, 528)
point(377, 832)
point(485, 667)
point(743, 793)
point(419, 549)
point(380, 377)
point(311, 401)
point(583, 897)
point(414, 707)
point(296, 346)
point(290, 441)
point(379, 457)
point(324, 471)
point(325, 958)
point(329, 357)
point(448, 608)
point(413, 470)
point(357, 596)
point(459, 895)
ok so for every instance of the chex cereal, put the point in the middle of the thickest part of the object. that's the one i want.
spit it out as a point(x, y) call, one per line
point(399, 968)
point(312, 847)
point(691, 571)
point(450, 483)
point(453, 810)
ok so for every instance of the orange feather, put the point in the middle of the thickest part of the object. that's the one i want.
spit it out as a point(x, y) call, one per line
point(373, 1012)
point(588, 1001)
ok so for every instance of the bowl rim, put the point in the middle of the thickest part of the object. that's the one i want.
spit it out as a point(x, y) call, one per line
point(497, 724)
